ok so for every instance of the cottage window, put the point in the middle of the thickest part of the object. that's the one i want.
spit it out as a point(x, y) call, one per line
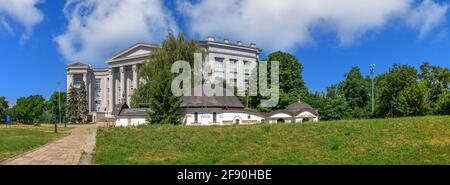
point(196, 117)
point(214, 117)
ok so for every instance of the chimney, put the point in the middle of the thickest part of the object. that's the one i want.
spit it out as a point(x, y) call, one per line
point(210, 39)
point(253, 45)
point(239, 43)
point(226, 41)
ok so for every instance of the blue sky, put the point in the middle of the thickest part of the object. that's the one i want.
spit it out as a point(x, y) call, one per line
point(39, 38)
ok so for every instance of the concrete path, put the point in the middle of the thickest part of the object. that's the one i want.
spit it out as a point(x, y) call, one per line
point(76, 148)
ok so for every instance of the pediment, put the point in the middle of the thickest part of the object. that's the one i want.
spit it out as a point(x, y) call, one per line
point(78, 64)
point(136, 50)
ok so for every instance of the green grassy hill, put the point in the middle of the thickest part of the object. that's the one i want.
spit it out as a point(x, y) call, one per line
point(419, 140)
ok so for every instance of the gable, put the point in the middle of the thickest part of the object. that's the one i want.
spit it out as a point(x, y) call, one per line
point(139, 51)
point(136, 50)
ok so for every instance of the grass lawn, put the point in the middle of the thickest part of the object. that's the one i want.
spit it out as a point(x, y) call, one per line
point(419, 140)
point(20, 138)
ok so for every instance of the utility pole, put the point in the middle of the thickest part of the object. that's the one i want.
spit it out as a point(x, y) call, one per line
point(372, 71)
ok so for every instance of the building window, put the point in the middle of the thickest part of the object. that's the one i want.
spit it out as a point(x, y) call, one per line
point(98, 88)
point(214, 117)
point(77, 79)
point(249, 117)
point(219, 64)
point(233, 62)
point(196, 117)
point(246, 64)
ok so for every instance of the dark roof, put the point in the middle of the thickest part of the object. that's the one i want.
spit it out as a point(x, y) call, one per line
point(210, 101)
point(296, 108)
point(134, 112)
point(118, 108)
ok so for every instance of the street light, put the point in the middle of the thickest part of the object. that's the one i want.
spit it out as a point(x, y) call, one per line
point(372, 71)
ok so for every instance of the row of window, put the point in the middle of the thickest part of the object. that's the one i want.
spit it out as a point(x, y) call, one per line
point(233, 63)
point(214, 117)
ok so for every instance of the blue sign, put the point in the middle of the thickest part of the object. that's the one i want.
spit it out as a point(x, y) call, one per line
point(8, 118)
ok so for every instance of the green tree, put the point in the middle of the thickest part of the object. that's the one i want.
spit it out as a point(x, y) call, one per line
point(156, 73)
point(389, 85)
point(29, 108)
point(291, 84)
point(3, 108)
point(57, 100)
point(316, 100)
point(82, 102)
point(414, 100)
point(335, 108)
point(442, 105)
point(355, 88)
point(72, 105)
point(437, 79)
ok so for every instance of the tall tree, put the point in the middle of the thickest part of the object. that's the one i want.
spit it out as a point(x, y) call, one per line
point(156, 73)
point(3, 108)
point(390, 84)
point(437, 79)
point(355, 88)
point(56, 106)
point(291, 84)
point(82, 102)
point(72, 105)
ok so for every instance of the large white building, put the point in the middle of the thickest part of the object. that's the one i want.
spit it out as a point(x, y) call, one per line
point(115, 84)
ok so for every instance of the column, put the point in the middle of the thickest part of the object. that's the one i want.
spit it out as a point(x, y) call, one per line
point(85, 78)
point(89, 92)
point(135, 77)
point(111, 91)
point(69, 81)
point(122, 85)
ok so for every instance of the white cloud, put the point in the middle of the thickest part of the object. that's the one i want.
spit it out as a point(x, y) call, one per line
point(284, 24)
point(97, 29)
point(21, 11)
point(426, 16)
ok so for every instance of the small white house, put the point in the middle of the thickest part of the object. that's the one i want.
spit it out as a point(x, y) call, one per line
point(295, 113)
point(130, 117)
point(218, 110)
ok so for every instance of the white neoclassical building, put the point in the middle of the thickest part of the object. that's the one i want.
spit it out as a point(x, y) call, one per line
point(113, 85)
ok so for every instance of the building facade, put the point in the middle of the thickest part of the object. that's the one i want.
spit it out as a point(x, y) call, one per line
point(115, 84)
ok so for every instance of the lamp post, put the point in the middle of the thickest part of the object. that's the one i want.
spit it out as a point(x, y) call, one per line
point(372, 71)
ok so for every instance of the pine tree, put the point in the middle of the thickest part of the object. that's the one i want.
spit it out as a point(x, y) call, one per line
point(72, 105)
point(82, 103)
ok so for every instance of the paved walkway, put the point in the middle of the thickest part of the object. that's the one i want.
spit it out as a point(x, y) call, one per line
point(76, 148)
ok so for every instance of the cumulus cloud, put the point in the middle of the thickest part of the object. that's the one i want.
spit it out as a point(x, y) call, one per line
point(426, 16)
point(97, 29)
point(24, 12)
point(285, 24)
